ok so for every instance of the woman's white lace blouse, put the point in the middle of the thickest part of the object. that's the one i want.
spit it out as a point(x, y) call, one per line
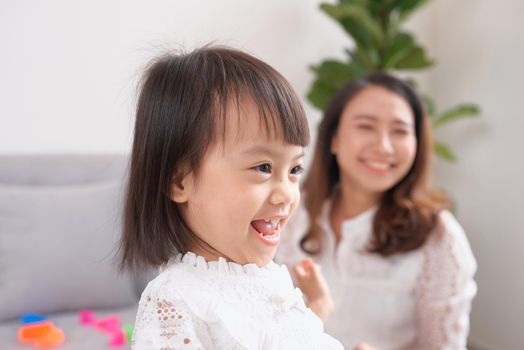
point(415, 300)
point(194, 304)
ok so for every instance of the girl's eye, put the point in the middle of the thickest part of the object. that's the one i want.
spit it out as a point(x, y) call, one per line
point(265, 168)
point(297, 170)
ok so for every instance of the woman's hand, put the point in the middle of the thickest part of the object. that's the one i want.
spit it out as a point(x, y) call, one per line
point(311, 282)
point(365, 346)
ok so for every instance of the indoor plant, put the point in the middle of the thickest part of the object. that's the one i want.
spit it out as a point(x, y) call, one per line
point(381, 45)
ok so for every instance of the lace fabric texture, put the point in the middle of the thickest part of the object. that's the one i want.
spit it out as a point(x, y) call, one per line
point(195, 304)
point(167, 325)
point(446, 288)
point(418, 300)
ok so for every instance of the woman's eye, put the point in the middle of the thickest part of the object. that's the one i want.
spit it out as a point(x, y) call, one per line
point(400, 132)
point(265, 168)
point(364, 127)
point(297, 170)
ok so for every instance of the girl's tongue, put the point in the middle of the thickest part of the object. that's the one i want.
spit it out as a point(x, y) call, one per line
point(266, 228)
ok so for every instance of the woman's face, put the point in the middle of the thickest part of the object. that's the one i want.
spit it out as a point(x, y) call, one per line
point(375, 143)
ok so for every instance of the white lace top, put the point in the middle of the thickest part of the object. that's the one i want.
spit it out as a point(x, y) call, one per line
point(194, 304)
point(415, 300)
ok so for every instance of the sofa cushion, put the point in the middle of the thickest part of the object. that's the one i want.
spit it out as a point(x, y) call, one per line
point(57, 248)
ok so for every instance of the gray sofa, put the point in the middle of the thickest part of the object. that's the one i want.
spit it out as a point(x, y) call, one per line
point(59, 226)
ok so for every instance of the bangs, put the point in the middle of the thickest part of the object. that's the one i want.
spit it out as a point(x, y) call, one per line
point(245, 79)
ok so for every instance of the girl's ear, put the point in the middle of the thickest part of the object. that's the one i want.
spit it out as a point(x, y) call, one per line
point(181, 187)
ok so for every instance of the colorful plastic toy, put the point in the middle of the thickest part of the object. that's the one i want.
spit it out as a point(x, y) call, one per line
point(110, 324)
point(32, 318)
point(29, 332)
point(86, 317)
point(42, 334)
point(52, 339)
point(118, 339)
point(128, 330)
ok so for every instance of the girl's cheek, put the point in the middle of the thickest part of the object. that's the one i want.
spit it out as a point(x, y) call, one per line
point(297, 195)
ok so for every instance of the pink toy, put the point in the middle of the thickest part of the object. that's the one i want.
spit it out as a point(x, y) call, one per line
point(109, 324)
point(118, 339)
point(86, 317)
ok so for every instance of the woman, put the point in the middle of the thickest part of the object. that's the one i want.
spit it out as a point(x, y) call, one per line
point(398, 264)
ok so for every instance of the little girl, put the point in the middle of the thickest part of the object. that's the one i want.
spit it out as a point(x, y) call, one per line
point(215, 167)
point(398, 264)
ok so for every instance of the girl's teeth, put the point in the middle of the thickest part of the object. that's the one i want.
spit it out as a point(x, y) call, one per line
point(272, 222)
point(269, 225)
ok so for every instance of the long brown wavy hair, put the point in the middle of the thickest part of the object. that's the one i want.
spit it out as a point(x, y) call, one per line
point(408, 212)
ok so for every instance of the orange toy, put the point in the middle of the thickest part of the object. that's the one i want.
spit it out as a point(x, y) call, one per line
point(54, 338)
point(32, 331)
point(41, 334)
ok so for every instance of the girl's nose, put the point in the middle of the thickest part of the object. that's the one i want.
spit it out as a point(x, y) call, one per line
point(283, 193)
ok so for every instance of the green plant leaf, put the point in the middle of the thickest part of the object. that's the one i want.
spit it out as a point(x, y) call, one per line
point(367, 59)
point(415, 59)
point(406, 7)
point(320, 94)
point(459, 112)
point(331, 75)
point(401, 46)
point(444, 152)
point(374, 7)
point(429, 104)
point(335, 72)
point(380, 45)
point(378, 9)
point(357, 21)
point(360, 61)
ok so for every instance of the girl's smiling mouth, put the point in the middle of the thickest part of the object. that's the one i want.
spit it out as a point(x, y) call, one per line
point(267, 230)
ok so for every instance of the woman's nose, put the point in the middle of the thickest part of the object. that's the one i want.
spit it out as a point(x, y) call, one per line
point(385, 143)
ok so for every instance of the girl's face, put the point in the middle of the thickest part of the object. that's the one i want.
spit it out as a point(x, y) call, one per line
point(375, 143)
point(247, 188)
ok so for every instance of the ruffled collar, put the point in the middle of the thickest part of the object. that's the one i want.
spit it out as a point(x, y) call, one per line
point(221, 265)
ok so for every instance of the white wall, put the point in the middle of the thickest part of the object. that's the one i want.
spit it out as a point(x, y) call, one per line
point(68, 71)
point(68, 68)
point(480, 47)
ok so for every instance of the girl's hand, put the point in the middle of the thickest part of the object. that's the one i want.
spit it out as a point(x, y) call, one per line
point(311, 282)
